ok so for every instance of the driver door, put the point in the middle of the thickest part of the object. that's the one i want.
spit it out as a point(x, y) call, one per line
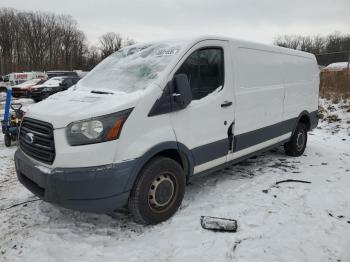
point(204, 125)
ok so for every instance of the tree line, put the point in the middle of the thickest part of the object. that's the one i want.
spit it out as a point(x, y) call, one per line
point(41, 41)
point(328, 49)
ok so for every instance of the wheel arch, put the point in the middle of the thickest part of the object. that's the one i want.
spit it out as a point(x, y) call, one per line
point(304, 117)
point(172, 149)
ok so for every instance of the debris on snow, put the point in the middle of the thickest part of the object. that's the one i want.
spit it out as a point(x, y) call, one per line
point(219, 224)
point(292, 180)
point(22, 203)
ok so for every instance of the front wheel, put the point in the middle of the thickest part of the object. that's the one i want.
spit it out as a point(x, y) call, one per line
point(158, 191)
point(297, 144)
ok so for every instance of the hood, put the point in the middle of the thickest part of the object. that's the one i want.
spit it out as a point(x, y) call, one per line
point(46, 85)
point(22, 86)
point(73, 105)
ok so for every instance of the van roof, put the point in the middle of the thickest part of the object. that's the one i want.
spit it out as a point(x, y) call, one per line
point(253, 45)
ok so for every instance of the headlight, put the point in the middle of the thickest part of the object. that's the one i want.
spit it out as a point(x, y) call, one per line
point(97, 129)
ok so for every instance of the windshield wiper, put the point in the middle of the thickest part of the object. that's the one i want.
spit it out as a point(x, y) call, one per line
point(101, 92)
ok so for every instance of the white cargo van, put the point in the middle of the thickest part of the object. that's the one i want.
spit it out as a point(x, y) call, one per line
point(151, 116)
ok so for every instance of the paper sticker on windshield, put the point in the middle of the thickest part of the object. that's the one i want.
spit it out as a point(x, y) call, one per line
point(167, 51)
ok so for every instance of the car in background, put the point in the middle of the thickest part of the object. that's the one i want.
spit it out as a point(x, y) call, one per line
point(19, 78)
point(52, 86)
point(14, 79)
point(338, 66)
point(21, 90)
point(3, 85)
point(51, 74)
point(81, 73)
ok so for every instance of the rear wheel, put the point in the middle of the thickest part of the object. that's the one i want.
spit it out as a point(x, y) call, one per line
point(7, 139)
point(158, 192)
point(297, 144)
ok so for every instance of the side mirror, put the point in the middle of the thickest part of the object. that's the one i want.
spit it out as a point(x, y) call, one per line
point(183, 94)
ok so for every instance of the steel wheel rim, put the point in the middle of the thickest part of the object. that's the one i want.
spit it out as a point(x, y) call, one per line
point(162, 192)
point(300, 140)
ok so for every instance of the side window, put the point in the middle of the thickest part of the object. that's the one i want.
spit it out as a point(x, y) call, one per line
point(205, 71)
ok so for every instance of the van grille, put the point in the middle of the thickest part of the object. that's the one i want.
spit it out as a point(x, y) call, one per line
point(36, 140)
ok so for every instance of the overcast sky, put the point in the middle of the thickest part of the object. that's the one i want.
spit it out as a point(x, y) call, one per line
point(145, 20)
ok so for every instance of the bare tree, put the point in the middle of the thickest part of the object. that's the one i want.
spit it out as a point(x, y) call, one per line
point(46, 41)
point(332, 48)
point(306, 43)
point(6, 38)
point(109, 43)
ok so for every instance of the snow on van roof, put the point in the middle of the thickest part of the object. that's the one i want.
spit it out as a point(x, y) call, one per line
point(132, 68)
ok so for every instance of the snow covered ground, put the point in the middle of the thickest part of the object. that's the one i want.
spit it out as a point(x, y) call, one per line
point(284, 222)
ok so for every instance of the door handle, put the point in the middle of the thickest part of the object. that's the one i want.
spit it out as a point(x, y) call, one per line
point(226, 104)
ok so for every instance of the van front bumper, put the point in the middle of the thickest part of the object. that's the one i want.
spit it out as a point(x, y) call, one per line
point(98, 189)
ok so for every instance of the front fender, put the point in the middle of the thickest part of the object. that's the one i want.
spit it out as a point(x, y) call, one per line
point(140, 163)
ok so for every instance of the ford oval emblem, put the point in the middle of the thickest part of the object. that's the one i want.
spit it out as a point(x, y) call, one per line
point(29, 137)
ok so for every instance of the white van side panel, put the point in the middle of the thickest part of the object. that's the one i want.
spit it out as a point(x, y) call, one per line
point(259, 89)
point(141, 132)
point(273, 86)
point(301, 82)
point(202, 126)
point(266, 82)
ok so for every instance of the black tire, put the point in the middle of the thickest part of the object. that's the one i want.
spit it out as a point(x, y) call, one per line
point(7, 139)
point(36, 100)
point(158, 191)
point(297, 144)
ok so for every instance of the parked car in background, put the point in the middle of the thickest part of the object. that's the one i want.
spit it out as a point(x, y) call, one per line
point(21, 90)
point(14, 79)
point(51, 74)
point(4, 83)
point(19, 78)
point(338, 66)
point(3, 86)
point(52, 86)
point(81, 73)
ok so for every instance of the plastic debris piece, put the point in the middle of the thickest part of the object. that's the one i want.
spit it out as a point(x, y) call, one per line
point(219, 224)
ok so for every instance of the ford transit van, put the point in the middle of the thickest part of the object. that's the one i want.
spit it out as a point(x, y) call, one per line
point(151, 116)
